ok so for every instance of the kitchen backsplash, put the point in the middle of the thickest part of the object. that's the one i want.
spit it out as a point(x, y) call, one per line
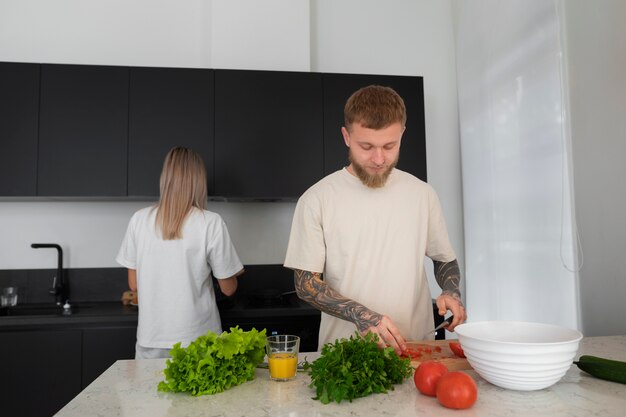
point(91, 232)
point(85, 284)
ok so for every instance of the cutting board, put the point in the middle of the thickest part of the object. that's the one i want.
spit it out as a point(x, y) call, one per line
point(446, 356)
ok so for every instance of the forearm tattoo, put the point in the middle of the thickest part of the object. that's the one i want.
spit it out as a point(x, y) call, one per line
point(311, 288)
point(448, 277)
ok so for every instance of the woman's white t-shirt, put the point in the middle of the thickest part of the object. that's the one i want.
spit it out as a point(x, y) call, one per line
point(174, 286)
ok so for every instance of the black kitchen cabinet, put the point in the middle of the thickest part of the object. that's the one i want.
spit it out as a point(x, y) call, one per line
point(168, 107)
point(103, 131)
point(306, 327)
point(83, 131)
point(268, 133)
point(49, 358)
point(102, 347)
point(19, 113)
point(41, 371)
point(337, 89)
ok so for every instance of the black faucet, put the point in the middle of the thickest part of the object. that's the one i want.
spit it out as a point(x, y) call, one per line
point(59, 287)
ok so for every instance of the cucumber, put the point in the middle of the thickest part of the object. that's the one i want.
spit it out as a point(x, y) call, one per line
point(602, 368)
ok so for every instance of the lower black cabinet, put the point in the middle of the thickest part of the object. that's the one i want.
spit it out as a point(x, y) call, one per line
point(41, 371)
point(102, 347)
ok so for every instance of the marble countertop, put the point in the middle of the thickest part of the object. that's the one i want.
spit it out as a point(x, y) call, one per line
point(128, 388)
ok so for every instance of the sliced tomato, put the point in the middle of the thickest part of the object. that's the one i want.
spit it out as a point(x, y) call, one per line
point(411, 353)
point(456, 348)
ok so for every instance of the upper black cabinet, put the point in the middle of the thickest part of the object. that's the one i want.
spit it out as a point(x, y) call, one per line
point(168, 107)
point(103, 131)
point(337, 89)
point(83, 130)
point(19, 111)
point(268, 133)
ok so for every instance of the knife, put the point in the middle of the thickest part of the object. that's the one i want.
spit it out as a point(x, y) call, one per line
point(443, 324)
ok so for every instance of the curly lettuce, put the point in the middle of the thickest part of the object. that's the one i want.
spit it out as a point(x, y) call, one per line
point(213, 363)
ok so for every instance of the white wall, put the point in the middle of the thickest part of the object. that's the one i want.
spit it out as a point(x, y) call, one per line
point(592, 108)
point(112, 32)
point(90, 232)
point(519, 248)
point(408, 37)
point(596, 56)
point(268, 34)
point(191, 33)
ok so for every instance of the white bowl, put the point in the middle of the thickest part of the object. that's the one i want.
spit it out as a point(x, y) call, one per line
point(519, 355)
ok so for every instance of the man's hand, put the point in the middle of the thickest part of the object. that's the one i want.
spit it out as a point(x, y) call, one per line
point(388, 335)
point(451, 301)
point(448, 277)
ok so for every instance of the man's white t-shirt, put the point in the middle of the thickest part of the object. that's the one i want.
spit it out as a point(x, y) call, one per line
point(370, 245)
point(176, 295)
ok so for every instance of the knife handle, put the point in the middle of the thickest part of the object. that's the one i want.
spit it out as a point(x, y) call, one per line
point(445, 323)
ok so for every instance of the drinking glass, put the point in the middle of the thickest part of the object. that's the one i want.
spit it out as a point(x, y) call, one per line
point(282, 356)
point(8, 298)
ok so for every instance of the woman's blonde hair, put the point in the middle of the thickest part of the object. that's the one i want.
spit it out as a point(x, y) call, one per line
point(183, 186)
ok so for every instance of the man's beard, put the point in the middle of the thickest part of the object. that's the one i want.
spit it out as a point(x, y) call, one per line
point(371, 180)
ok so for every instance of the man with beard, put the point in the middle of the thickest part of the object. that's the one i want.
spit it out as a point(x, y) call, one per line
point(367, 228)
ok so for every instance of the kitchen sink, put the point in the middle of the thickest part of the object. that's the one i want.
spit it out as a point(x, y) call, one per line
point(41, 310)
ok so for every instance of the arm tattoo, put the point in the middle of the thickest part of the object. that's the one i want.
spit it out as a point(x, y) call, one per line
point(448, 277)
point(311, 288)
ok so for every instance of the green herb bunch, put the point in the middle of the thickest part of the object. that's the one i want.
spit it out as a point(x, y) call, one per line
point(212, 363)
point(354, 368)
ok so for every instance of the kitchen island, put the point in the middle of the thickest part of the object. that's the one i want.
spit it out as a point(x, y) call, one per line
point(128, 388)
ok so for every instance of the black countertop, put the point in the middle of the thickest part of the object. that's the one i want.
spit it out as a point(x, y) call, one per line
point(81, 314)
point(97, 314)
point(96, 294)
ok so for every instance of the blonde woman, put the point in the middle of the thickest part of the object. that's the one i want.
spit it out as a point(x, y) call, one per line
point(171, 251)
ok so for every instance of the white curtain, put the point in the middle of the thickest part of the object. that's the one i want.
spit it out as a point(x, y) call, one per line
point(519, 235)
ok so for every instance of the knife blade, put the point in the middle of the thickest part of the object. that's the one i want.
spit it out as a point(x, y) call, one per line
point(443, 324)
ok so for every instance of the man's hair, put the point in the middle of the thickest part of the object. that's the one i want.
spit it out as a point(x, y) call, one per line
point(374, 107)
point(183, 186)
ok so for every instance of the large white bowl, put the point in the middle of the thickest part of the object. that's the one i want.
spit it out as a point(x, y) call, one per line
point(519, 355)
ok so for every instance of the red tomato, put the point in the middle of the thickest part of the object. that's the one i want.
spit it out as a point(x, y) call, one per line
point(437, 348)
point(427, 375)
point(411, 353)
point(456, 348)
point(457, 390)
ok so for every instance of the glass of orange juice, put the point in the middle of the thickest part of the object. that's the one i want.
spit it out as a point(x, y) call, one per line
point(282, 356)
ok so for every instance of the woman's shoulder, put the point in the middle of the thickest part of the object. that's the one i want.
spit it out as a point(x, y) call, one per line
point(204, 216)
point(143, 213)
